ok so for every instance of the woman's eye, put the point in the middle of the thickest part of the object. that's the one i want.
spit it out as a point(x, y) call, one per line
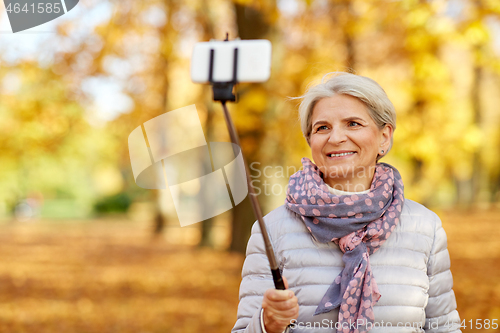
point(322, 128)
point(353, 123)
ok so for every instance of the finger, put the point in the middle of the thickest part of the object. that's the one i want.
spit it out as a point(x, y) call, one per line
point(285, 282)
point(280, 305)
point(279, 320)
point(287, 315)
point(278, 295)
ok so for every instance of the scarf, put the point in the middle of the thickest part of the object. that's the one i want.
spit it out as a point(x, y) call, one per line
point(359, 224)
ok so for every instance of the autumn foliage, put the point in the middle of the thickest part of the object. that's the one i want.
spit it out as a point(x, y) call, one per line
point(69, 101)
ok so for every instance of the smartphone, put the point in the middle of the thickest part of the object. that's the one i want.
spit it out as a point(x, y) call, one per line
point(218, 59)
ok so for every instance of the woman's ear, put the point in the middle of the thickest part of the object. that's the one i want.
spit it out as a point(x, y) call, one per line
point(385, 138)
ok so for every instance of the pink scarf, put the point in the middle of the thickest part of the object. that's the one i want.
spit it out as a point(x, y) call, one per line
point(359, 224)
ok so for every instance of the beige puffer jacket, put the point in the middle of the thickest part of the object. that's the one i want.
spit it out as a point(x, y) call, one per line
point(412, 270)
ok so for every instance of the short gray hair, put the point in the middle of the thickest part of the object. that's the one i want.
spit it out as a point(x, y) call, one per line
point(363, 88)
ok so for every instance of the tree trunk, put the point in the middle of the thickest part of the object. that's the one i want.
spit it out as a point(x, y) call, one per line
point(204, 18)
point(475, 182)
point(163, 86)
point(349, 35)
point(251, 25)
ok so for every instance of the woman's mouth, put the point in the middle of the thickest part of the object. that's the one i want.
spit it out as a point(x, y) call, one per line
point(341, 154)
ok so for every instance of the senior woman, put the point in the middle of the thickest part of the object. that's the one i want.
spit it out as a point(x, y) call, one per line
point(356, 256)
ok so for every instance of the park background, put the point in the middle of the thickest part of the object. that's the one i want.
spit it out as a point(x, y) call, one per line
point(84, 249)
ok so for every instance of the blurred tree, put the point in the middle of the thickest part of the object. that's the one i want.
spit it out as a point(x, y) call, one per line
point(438, 61)
point(474, 29)
point(253, 22)
point(139, 49)
point(204, 18)
point(43, 135)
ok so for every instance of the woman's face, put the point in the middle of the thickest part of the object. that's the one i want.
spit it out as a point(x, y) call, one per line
point(345, 142)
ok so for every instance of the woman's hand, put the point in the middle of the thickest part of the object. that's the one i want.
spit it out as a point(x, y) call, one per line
point(280, 307)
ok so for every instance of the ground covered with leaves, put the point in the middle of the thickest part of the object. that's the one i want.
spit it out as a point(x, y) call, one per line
point(111, 276)
point(108, 276)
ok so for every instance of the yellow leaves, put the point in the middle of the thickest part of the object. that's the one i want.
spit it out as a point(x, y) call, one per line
point(425, 147)
point(245, 2)
point(294, 63)
point(441, 26)
point(257, 98)
point(248, 113)
point(102, 276)
point(107, 180)
point(85, 305)
point(187, 235)
point(476, 33)
point(492, 5)
point(472, 139)
point(408, 4)
point(418, 41)
point(418, 17)
point(429, 67)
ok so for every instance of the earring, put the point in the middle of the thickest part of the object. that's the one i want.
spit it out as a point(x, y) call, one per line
point(382, 152)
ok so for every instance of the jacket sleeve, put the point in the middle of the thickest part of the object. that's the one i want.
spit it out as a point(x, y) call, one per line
point(256, 279)
point(441, 313)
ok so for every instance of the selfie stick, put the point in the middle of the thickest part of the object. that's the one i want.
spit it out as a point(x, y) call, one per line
point(223, 92)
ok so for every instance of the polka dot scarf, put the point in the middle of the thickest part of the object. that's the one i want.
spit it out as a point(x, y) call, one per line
point(359, 224)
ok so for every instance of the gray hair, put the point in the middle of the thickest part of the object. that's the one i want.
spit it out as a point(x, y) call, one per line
point(364, 89)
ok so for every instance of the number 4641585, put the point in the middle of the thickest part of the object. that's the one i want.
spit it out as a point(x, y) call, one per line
point(476, 324)
point(41, 8)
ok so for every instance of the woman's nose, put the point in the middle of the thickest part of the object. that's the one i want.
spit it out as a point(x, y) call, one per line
point(337, 136)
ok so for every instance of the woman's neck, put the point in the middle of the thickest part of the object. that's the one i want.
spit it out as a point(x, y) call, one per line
point(352, 184)
point(340, 192)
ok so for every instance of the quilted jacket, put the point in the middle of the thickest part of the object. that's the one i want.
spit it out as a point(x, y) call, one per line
point(412, 270)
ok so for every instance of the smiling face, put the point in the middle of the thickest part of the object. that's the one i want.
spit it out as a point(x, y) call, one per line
point(345, 142)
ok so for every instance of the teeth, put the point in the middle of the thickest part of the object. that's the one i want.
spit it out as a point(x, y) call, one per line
point(342, 154)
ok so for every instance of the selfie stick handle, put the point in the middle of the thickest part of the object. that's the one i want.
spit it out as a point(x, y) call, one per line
point(278, 280)
point(223, 92)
